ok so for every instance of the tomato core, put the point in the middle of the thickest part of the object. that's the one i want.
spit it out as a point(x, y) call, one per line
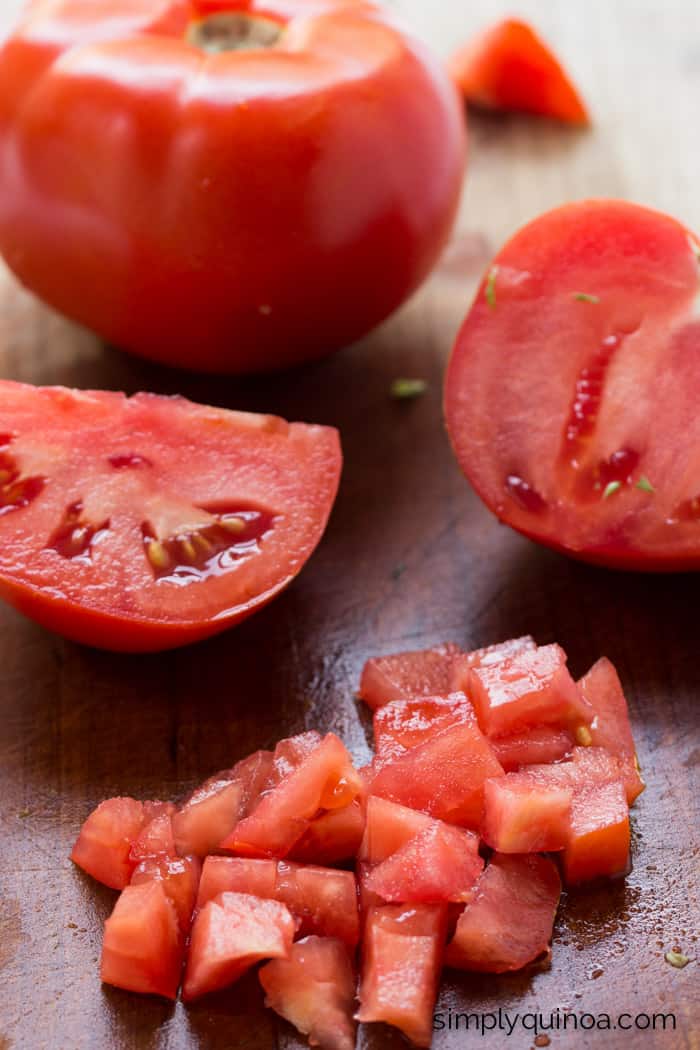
point(233, 31)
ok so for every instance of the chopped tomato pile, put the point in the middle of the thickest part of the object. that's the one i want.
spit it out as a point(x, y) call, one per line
point(496, 776)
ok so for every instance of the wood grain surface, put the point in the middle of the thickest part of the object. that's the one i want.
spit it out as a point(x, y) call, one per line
point(410, 558)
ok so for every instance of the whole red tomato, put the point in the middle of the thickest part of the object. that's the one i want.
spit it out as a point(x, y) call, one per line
point(230, 186)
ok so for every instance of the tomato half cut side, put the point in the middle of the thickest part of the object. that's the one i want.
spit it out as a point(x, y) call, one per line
point(144, 523)
point(572, 390)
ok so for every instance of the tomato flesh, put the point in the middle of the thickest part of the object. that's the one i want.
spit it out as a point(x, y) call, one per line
point(322, 900)
point(143, 949)
point(586, 304)
point(401, 967)
point(444, 776)
point(179, 877)
point(522, 815)
point(314, 989)
point(103, 846)
point(531, 746)
point(388, 827)
point(229, 935)
point(527, 689)
point(611, 727)
point(325, 779)
point(405, 676)
point(403, 724)
point(333, 837)
point(440, 863)
point(509, 67)
point(508, 924)
point(156, 836)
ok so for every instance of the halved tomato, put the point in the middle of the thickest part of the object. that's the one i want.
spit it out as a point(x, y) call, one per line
point(611, 727)
point(324, 779)
point(143, 948)
point(147, 522)
point(230, 934)
point(440, 863)
point(571, 395)
point(314, 989)
point(401, 964)
point(404, 676)
point(509, 921)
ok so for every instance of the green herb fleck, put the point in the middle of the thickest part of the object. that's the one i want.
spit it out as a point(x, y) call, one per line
point(611, 488)
point(645, 485)
point(584, 297)
point(677, 959)
point(407, 388)
point(491, 287)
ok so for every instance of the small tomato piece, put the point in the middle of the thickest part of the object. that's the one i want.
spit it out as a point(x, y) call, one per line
point(388, 827)
point(333, 837)
point(599, 839)
point(441, 863)
point(523, 815)
point(611, 727)
point(404, 676)
point(229, 935)
point(103, 846)
point(531, 746)
point(401, 965)
point(143, 948)
point(179, 877)
point(314, 989)
point(509, 921)
point(403, 724)
point(509, 67)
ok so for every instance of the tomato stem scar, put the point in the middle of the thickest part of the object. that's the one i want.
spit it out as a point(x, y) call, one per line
point(233, 31)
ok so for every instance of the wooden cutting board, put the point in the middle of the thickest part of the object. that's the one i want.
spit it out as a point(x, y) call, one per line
point(410, 558)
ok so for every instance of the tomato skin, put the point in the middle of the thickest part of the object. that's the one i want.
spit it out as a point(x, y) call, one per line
point(181, 458)
point(588, 302)
point(197, 252)
point(509, 67)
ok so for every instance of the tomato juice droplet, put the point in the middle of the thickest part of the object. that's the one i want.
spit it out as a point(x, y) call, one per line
point(524, 494)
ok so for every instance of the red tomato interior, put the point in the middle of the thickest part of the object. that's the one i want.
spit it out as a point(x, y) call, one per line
point(148, 522)
point(571, 395)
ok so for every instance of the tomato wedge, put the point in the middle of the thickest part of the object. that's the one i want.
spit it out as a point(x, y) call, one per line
point(510, 67)
point(147, 522)
point(571, 395)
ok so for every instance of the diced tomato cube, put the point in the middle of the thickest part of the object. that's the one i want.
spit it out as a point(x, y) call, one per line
point(143, 948)
point(599, 841)
point(440, 863)
point(401, 965)
point(324, 780)
point(314, 989)
point(156, 836)
point(403, 724)
point(208, 815)
point(179, 877)
point(487, 657)
point(323, 900)
point(610, 727)
point(229, 935)
point(258, 878)
point(213, 810)
point(388, 827)
point(404, 676)
point(103, 846)
point(333, 837)
point(531, 746)
point(444, 776)
point(509, 921)
point(524, 815)
point(531, 688)
point(289, 755)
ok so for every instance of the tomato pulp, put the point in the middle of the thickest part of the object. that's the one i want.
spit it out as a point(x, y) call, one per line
point(228, 186)
point(144, 523)
point(571, 395)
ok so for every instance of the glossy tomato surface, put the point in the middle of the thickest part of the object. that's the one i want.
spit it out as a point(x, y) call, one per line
point(233, 210)
point(148, 522)
point(572, 391)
